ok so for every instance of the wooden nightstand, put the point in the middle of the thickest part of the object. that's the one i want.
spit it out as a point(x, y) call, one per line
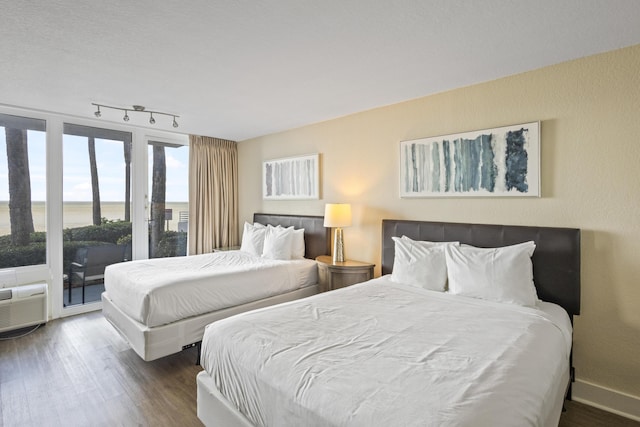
point(340, 274)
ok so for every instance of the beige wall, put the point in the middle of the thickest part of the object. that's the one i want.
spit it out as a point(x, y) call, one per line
point(590, 161)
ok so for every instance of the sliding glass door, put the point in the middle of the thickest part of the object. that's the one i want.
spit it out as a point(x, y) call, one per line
point(96, 208)
point(168, 190)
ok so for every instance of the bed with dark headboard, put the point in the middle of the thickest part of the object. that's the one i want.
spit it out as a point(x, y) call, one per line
point(373, 348)
point(154, 341)
point(317, 238)
point(556, 260)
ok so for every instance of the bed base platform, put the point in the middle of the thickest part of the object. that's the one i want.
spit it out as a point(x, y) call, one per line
point(154, 343)
point(213, 408)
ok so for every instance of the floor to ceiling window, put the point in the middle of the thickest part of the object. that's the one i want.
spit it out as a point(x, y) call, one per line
point(22, 193)
point(77, 197)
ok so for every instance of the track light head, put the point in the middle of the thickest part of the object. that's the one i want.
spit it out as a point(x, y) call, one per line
point(152, 120)
point(175, 124)
point(126, 116)
point(98, 113)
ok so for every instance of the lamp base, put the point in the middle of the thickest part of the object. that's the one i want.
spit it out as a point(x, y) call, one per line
point(338, 246)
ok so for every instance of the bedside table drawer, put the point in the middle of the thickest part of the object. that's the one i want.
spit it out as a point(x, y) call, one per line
point(342, 279)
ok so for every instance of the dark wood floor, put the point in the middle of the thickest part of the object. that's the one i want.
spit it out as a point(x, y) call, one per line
point(579, 415)
point(79, 372)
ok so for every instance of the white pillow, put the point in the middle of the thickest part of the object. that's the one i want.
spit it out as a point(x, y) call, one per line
point(253, 238)
point(497, 274)
point(418, 263)
point(277, 243)
point(297, 244)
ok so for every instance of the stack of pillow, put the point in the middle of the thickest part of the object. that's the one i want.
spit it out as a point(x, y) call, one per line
point(272, 242)
point(502, 274)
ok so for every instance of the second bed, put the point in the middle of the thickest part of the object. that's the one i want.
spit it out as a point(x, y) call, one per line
point(161, 306)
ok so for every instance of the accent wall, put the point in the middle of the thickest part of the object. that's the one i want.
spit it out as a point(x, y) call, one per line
point(589, 111)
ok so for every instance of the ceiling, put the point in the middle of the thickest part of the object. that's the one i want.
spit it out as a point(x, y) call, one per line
point(238, 69)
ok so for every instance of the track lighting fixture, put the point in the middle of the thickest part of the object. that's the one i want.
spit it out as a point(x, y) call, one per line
point(136, 109)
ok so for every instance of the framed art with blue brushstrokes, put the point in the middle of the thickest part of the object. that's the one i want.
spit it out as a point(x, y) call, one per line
point(500, 162)
point(292, 178)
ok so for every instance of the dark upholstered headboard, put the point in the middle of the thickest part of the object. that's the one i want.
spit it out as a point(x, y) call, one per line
point(317, 238)
point(556, 260)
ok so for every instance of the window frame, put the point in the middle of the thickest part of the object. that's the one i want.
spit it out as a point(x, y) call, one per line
point(51, 272)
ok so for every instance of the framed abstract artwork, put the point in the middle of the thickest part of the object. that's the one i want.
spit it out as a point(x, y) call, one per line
point(499, 162)
point(292, 178)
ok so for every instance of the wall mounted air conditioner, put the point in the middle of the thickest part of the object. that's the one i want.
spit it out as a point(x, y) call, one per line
point(23, 306)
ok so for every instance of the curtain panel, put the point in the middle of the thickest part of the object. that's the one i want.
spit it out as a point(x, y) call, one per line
point(213, 194)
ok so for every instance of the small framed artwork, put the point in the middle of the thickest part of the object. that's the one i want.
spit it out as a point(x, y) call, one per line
point(291, 178)
point(499, 162)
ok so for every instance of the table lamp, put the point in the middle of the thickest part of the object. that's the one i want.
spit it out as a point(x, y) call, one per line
point(337, 215)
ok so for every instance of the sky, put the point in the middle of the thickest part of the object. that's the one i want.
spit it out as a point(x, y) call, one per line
point(76, 171)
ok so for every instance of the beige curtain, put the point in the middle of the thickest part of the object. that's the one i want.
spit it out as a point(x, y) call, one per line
point(213, 194)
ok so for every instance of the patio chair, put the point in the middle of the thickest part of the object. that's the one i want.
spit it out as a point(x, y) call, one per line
point(89, 264)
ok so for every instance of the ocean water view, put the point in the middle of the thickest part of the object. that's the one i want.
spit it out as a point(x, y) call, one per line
point(78, 214)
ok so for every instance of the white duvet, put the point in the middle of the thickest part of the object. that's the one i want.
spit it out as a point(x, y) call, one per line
point(160, 291)
point(384, 354)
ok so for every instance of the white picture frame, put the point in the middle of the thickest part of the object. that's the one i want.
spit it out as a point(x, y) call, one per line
point(291, 178)
point(498, 162)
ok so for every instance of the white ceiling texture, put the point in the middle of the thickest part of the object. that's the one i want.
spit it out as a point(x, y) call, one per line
point(238, 69)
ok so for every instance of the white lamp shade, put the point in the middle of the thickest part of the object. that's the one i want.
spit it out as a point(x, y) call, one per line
point(337, 215)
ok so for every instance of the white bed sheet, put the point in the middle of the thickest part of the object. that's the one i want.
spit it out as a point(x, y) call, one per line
point(160, 291)
point(381, 354)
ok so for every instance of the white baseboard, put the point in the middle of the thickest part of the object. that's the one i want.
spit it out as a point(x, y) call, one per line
point(606, 399)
